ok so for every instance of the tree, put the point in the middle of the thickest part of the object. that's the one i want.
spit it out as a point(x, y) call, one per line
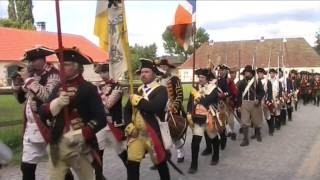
point(172, 47)
point(20, 15)
point(138, 51)
point(317, 47)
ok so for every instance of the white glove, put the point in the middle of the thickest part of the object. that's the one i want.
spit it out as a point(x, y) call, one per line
point(74, 137)
point(57, 104)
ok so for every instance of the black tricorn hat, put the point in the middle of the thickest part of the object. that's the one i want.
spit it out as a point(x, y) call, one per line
point(273, 70)
point(167, 63)
point(37, 53)
point(151, 64)
point(205, 72)
point(261, 70)
point(223, 67)
point(248, 68)
point(74, 55)
point(100, 68)
point(293, 71)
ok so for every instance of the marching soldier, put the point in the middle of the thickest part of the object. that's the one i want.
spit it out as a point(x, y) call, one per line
point(284, 99)
point(175, 93)
point(144, 119)
point(317, 88)
point(276, 98)
point(250, 94)
point(111, 93)
point(292, 92)
point(222, 86)
point(267, 106)
point(33, 86)
point(304, 87)
point(203, 116)
point(74, 116)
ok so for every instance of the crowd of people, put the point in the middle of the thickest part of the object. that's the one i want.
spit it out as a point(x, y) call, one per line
point(71, 120)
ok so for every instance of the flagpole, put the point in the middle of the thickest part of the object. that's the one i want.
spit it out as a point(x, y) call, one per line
point(61, 61)
point(194, 32)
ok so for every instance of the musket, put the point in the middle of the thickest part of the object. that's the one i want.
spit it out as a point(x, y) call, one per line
point(239, 64)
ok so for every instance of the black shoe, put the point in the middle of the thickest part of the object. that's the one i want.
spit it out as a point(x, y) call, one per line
point(214, 162)
point(192, 170)
point(245, 142)
point(206, 152)
point(180, 160)
point(154, 167)
point(233, 136)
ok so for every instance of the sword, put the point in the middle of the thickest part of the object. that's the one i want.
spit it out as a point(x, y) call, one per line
point(175, 167)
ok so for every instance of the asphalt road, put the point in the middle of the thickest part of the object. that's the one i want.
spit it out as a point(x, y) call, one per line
point(293, 153)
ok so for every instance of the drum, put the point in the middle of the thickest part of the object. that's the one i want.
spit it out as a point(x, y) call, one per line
point(177, 125)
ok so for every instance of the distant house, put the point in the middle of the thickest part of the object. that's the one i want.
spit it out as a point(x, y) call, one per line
point(14, 42)
point(298, 54)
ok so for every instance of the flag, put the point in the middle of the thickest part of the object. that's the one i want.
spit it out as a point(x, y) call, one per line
point(183, 23)
point(111, 29)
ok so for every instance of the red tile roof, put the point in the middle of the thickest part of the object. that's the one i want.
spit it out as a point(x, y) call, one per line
point(299, 53)
point(14, 42)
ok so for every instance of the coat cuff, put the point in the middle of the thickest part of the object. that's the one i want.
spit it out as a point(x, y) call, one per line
point(87, 133)
point(136, 99)
point(27, 83)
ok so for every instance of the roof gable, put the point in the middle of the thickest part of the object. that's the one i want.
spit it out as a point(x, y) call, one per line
point(299, 53)
point(14, 42)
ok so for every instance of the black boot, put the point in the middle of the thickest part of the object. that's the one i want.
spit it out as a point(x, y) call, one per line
point(28, 171)
point(69, 176)
point(223, 140)
point(289, 110)
point(269, 122)
point(133, 169)
point(254, 134)
point(295, 106)
point(124, 157)
point(277, 122)
point(233, 136)
point(258, 134)
point(208, 149)
point(283, 114)
point(98, 167)
point(245, 141)
point(215, 155)
point(163, 171)
point(195, 145)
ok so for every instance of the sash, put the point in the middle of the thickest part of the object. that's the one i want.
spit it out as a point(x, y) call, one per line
point(247, 87)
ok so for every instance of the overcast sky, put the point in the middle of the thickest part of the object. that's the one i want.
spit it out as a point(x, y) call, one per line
point(223, 20)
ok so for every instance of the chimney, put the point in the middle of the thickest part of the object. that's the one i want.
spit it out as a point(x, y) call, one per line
point(262, 39)
point(41, 26)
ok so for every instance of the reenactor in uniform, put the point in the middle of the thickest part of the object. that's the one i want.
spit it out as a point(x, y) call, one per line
point(304, 87)
point(267, 105)
point(292, 93)
point(224, 93)
point(317, 88)
point(111, 94)
point(174, 108)
point(203, 116)
point(250, 95)
point(276, 98)
point(33, 86)
point(74, 115)
point(284, 99)
point(143, 130)
point(231, 101)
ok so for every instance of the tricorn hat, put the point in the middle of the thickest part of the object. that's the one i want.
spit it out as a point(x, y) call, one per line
point(293, 71)
point(205, 72)
point(74, 55)
point(36, 53)
point(167, 63)
point(261, 70)
point(151, 64)
point(272, 70)
point(248, 68)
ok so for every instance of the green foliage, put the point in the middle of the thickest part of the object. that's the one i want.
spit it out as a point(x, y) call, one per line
point(317, 47)
point(172, 47)
point(20, 15)
point(137, 51)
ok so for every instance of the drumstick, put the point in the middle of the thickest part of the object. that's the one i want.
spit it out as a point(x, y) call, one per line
point(173, 119)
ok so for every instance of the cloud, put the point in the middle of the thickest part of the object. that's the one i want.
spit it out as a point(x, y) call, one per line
point(305, 15)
